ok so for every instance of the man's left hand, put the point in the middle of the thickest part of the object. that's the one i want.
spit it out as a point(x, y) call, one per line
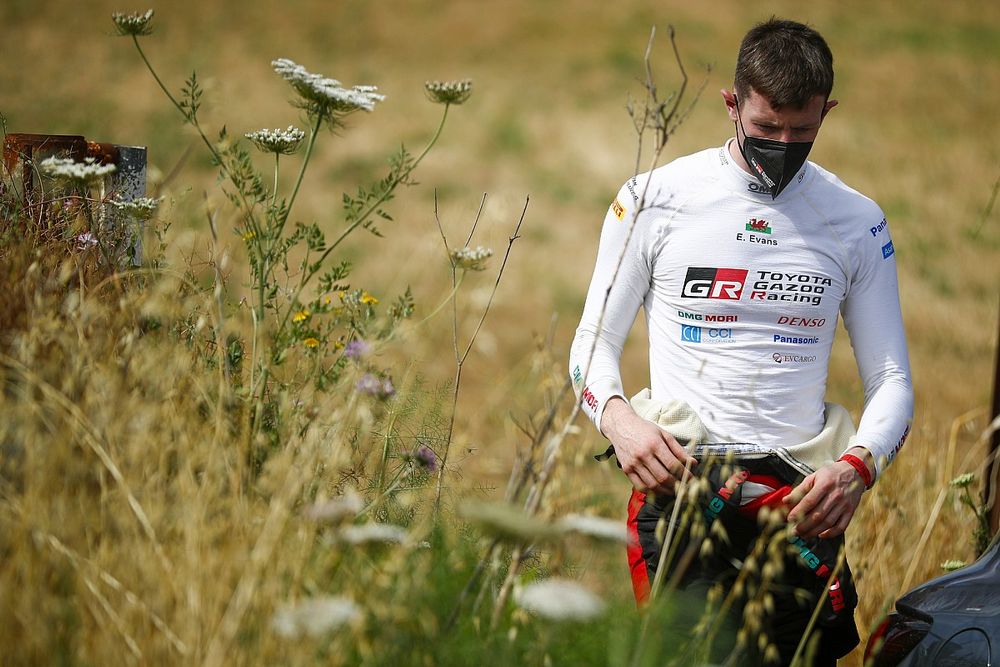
point(824, 503)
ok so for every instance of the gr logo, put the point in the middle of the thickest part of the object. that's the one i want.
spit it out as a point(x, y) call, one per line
point(710, 283)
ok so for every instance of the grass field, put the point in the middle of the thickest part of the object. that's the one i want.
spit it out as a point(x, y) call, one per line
point(916, 129)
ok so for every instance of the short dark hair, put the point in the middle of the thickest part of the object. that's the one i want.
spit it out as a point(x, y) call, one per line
point(787, 62)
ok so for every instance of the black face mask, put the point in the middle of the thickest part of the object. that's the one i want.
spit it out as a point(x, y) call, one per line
point(774, 163)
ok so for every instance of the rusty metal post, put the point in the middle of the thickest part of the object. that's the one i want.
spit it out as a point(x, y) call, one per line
point(991, 489)
point(129, 184)
point(22, 152)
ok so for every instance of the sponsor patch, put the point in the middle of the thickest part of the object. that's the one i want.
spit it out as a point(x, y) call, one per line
point(694, 334)
point(802, 321)
point(577, 376)
point(780, 358)
point(618, 209)
point(887, 250)
point(789, 287)
point(796, 340)
point(878, 228)
point(707, 317)
point(711, 283)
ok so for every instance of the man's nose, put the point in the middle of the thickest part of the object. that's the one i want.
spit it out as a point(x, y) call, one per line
point(786, 135)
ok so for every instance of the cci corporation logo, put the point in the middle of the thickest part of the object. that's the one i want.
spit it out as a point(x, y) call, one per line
point(711, 283)
point(693, 334)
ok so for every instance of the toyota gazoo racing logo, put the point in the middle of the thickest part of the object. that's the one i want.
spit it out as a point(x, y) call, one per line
point(710, 283)
point(789, 287)
point(693, 334)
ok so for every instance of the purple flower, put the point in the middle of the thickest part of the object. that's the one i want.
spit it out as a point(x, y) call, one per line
point(375, 386)
point(425, 457)
point(357, 348)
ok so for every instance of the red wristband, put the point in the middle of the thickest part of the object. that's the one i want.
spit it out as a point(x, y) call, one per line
point(859, 465)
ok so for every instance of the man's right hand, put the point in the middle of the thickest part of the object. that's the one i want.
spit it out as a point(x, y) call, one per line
point(651, 457)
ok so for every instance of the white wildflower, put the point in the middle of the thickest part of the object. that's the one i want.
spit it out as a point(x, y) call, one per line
point(314, 616)
point(559, 600)
point(594, 526)
point(507, 521)
point(134, 24)
point(323, 95)
point(141, 208)
point(78, 173)
point(471, 259)
point(952, 565)
point(282, 142)
point(336, 509)
point(448, 92)
point(373, 532)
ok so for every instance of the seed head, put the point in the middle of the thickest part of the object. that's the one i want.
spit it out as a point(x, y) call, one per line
point(134, 24)
point(952, 565)
point(594, 526)
point(963, 481)
point(471, 259)
point(279, 142)
point(448, 92)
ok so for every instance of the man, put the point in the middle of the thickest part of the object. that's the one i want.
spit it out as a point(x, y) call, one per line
point(742, 257)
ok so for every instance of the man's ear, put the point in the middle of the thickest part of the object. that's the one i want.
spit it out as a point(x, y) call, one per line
point(730, 99)
point(829, 105)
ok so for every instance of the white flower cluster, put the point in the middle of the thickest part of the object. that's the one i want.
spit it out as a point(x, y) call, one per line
point(449, 92)
point(471, 259)
point(141, 208)
point(282, 142)
point(323, 94)
point(559, 600)
point(315, 616)
point(373, 532)
point(133, 24)
point(595, 527)
point(80, 173)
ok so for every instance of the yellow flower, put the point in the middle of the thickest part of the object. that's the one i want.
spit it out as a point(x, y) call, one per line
point(301, 316)
point(339, 345)
point(327, 300)
point(368, 299)
point(249, 235)
point(311, 342)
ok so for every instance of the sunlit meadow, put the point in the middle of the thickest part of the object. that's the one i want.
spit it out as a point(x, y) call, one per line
point(287, 436)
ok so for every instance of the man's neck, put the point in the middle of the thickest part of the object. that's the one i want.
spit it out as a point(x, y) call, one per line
point(734, 152)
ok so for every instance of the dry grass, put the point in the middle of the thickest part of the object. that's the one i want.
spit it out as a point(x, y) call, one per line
point(918, 86)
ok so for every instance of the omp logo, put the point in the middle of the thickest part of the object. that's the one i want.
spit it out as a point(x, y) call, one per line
point(879, 227)
point(802, 321)
point(685, 315)
point(887, 250)
point(758, 189)
point(759, 226)
point(693, 334)
point(710, 283)
point(618, 209)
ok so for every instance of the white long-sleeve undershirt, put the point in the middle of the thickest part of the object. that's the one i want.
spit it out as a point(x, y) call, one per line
point(741, 295)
